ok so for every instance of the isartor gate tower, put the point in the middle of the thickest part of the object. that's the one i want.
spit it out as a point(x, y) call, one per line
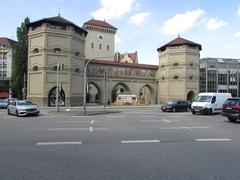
point(56, 40)
point(178, 73)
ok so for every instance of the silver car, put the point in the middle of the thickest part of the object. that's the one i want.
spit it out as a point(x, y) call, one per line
point(23, 108)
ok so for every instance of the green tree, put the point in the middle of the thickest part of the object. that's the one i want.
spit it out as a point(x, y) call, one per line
point(19, 66)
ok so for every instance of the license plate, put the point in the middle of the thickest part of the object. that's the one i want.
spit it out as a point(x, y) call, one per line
point(228, 108)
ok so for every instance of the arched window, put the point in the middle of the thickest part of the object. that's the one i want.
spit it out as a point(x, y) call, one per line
point(175, 64)
point(35, 50)
point(175, 77)
point(92, 45)
point(57, 50)
point(100, 46)
point(35, 68)
point(191, 77)
point(107, 47)
point(77, 53)
point(77, 70)
point(163, 78)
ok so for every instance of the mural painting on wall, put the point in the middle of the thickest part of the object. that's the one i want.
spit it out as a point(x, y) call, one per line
point(120, 71)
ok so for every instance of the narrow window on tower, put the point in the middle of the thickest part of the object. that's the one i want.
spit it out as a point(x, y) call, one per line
point(92, 45)
point(107, 47)
point(100, 46)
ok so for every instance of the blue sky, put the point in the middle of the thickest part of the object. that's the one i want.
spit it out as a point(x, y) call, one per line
point(143, 25)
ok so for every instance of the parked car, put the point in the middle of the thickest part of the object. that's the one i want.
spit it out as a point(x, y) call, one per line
point(3, 104)
point(177, 105)
point(231, 109)
point(23, 108)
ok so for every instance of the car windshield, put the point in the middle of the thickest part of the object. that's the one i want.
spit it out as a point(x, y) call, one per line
point(203, 98)
point(231, 102)
point(24, 103)
point(3, 101)
point(171, 102)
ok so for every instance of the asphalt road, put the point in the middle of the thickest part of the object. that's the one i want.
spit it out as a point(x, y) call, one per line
point(136, 144)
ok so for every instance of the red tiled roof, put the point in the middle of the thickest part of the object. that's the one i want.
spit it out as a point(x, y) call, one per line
point(180, 41)
point(4, 94)
point(133, 56)
point(99, 23)
point(60, 20)
point(9, 43)
point(147, 66)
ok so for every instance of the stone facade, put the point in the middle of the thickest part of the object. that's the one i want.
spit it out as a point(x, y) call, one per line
point(52, 41)
point(178, 74)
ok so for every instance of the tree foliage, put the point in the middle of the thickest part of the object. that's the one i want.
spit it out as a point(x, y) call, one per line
point(19, 67)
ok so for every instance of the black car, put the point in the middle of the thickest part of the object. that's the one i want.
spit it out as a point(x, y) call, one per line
point(177, 105)
point(231, 109)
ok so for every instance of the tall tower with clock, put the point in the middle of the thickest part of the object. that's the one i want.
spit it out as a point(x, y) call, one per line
point(100, 40)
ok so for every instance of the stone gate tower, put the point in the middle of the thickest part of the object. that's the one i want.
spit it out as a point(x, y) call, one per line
point(100, 41)
point(51, 41)
point(178, 74)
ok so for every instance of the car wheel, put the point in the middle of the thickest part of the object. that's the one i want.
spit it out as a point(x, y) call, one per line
point(209, 111)
point(17, 114)
point(193, 112)
point(8, 111)
point(188, 109)
point(232, 119)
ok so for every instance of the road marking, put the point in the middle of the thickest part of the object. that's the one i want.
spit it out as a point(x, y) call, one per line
point(146, 116)
point(115, 116)
point(140, 141)
point(184, 127)
point(79, 121)
point(81, 116)
point(56, 143)
point(160, 120)
point(91, 129)
point(67, 129)
point(211, 140)
point(92, 121)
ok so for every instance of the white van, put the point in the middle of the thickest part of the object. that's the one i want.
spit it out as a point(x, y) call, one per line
point(209, 103)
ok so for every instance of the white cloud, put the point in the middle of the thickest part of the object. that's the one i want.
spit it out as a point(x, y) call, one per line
point(118, 40)
point(111, 9)
point(237, 34)
point(215, 23)
point(139, 18)
point(182, 22)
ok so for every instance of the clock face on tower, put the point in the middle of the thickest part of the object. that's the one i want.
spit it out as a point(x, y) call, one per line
point(100, 37)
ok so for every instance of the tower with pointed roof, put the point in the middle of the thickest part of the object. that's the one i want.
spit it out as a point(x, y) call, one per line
point(178, 74)
point(100, 40)
point(51, 41)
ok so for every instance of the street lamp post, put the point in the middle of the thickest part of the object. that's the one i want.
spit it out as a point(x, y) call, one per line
point(85, 82)
point(84, 85)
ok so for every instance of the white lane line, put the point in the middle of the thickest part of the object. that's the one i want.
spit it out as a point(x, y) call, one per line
point(188, 128)
point(115, 116)
point(56, 143)
point(79, 121)
point(67, 129)
point(146, 116)
point(160, 120)
point(212, 140)
point(75, 129)
point(91, 129)
point(81, 116)
point(140, 141)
